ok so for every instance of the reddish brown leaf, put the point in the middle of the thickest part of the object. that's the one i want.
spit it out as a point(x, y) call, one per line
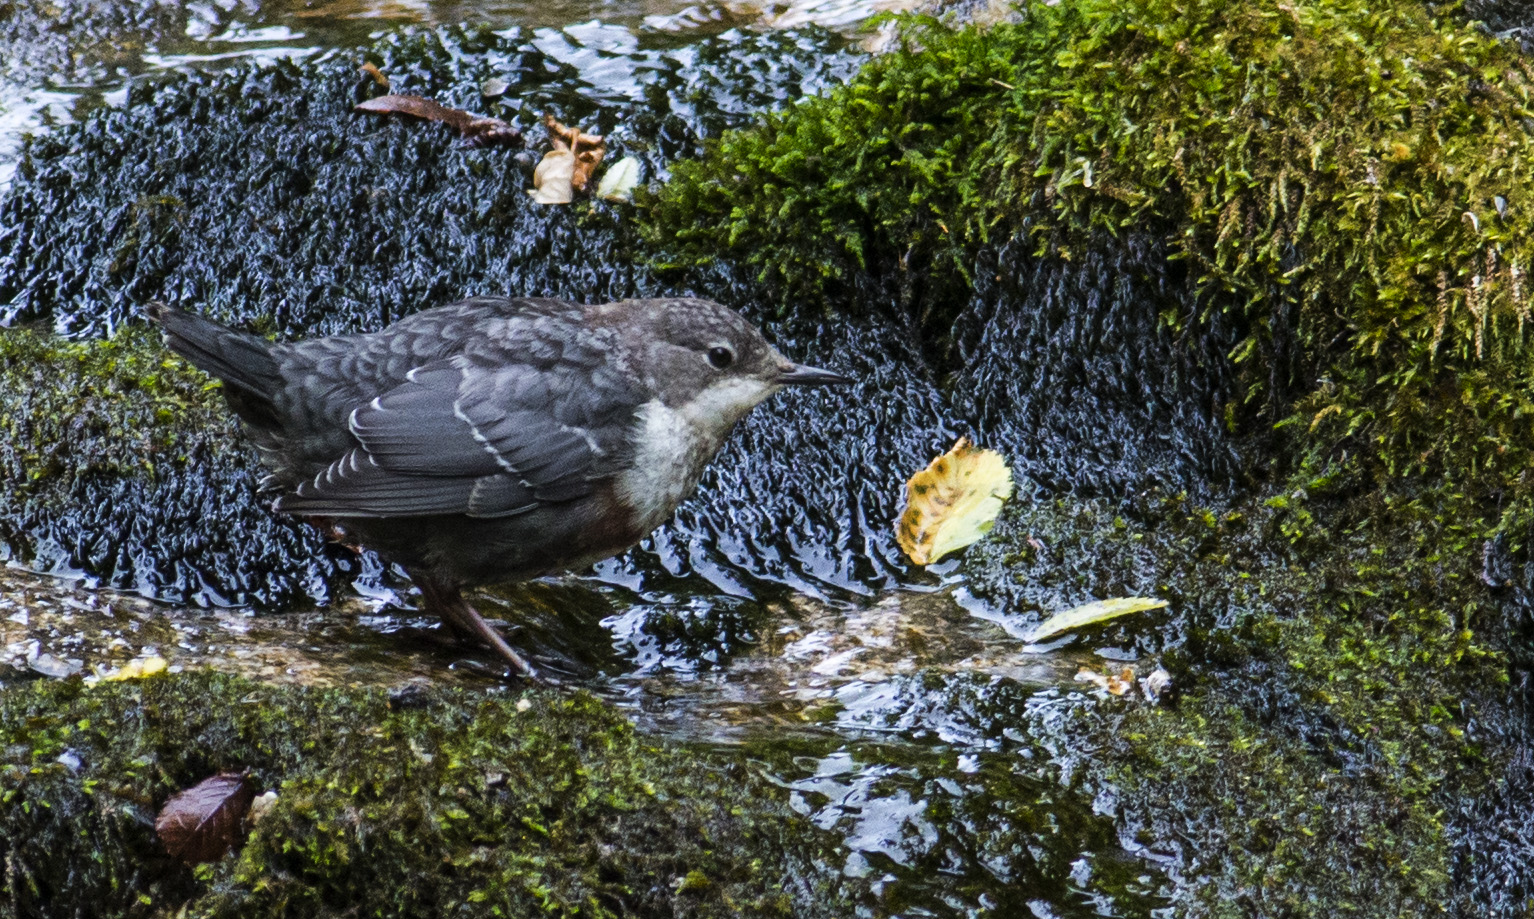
point(478, 130)
point(202, 823)
point(418, 107)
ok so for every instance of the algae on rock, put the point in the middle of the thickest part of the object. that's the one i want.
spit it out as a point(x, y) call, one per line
point(122, 464)
point(543, 805)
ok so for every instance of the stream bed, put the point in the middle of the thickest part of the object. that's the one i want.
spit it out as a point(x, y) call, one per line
point(208, 155)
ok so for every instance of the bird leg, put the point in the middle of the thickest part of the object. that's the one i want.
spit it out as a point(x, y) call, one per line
point(447, 601)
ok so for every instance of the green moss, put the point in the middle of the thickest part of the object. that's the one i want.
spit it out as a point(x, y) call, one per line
point(112, 407)
point(1344, 184)
point(1339, 701)
point(1343, 188)
point(471, 805)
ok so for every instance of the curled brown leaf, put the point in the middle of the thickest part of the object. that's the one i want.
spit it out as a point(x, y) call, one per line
point(587, 149)
point(371, 69)
point(477, 130)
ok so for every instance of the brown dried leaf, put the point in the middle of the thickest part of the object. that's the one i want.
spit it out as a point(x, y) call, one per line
point(371, 69)
point(202, 823)
point(588, 150)
point(478, 130)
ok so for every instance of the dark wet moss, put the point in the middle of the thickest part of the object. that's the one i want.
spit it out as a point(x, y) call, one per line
point(466, 805)
point(259, 193)
point(122, 464)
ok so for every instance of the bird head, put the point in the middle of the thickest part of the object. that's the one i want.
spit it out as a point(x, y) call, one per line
point(711, 364)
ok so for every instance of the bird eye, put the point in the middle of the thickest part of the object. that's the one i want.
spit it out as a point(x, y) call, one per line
point(720, 357)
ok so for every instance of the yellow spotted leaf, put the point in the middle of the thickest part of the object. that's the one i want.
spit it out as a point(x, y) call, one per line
point(953, 502)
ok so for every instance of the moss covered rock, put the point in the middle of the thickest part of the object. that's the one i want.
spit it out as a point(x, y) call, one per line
point(456, 804)
point(1272, 256)
point(121, 463)
point(1341, 191)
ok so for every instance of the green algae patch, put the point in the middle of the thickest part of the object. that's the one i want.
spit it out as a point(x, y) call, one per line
point(110, 407)
point(1342, 188)
point(121, 464)
point(1341, 710)
point(464, 804)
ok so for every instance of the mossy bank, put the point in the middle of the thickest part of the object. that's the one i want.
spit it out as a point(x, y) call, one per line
point(438, 804)
point(1249, 284)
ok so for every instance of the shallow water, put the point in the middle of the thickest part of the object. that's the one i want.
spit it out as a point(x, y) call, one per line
point(59, 64)
point(851, 706)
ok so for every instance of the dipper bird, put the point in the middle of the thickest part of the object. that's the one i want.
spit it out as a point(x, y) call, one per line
point(495, 439)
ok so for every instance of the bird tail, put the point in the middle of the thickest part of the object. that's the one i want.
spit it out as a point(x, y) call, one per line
point(243, 361)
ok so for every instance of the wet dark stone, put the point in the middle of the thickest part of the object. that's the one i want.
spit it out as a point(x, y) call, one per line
point(260, 197)
point(259, 194)
point(1083, 374)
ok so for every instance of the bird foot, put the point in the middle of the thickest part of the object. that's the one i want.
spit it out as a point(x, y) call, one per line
point(466, 622)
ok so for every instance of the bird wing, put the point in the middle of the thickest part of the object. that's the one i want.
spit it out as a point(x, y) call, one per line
point(461, 437)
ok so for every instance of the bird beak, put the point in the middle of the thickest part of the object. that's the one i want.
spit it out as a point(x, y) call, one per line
point(800, 375)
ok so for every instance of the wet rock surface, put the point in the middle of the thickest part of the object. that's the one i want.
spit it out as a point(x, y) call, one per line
point(1350, 658)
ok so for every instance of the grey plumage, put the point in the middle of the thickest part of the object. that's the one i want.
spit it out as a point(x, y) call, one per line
point(494, 439)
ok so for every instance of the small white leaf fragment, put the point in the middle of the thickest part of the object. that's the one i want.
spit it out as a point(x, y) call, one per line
point(259, 807)
point(619, 181)
point(495, 86)
point(1089, 614)
point(1157, 686)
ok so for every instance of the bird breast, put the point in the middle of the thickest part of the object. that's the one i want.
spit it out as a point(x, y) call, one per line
point(669, 454)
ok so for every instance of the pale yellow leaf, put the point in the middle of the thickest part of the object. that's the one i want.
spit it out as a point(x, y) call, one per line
point(1089, 614)
point(552, 179)
point(953, 502)
point(619, 180)
point(136, 669)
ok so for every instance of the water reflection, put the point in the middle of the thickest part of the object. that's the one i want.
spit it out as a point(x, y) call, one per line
point(59, 63)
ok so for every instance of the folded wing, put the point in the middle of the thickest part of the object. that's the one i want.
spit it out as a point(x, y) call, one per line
point(462, 438)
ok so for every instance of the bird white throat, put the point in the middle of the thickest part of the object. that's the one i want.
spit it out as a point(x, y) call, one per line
point(672, 445)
